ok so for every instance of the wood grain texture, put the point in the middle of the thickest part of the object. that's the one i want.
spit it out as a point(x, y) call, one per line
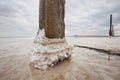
point(52, 18)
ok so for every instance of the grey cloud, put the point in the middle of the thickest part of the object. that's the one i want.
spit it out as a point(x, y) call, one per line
point(18, 17)
point(83, 17)
point(92, 17)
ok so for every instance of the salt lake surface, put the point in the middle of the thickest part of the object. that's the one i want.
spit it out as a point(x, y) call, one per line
point(85, 64)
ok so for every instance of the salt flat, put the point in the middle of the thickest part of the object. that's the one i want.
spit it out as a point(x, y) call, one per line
point(85, 64)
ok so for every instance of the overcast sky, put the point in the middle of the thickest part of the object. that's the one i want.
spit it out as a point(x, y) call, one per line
point(83, 17)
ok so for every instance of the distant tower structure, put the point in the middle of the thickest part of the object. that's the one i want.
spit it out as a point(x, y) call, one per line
point(111, 31)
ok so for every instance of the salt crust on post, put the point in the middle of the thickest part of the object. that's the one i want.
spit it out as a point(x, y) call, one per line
point(48, 52)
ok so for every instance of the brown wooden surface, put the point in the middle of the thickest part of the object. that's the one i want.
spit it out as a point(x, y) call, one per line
point(52, 18)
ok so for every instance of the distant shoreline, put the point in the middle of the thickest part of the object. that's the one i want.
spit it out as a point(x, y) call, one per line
point(18, 37)
point(76, 36)
point(92, 36)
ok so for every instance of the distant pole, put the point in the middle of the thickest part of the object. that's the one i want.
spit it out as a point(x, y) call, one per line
point(111, 22)
point(111, 27)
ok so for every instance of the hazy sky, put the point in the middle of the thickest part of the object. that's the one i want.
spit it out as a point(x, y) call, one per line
point(83, 17)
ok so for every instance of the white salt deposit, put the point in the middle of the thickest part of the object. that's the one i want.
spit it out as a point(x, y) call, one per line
point(48, 52)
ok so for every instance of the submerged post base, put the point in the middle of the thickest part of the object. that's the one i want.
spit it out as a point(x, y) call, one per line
point(48, 52)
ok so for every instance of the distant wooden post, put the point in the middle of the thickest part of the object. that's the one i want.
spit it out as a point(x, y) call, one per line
point(111, 30)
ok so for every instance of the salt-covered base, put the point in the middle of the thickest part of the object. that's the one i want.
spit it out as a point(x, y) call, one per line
point(48, 52)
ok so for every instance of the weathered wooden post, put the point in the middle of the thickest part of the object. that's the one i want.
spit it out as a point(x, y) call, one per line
point(50, 43)
point(111, 31)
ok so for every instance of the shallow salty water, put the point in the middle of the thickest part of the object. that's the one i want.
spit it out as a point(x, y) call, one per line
point(108, 43)
point(14, 58)
point(84, 64)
